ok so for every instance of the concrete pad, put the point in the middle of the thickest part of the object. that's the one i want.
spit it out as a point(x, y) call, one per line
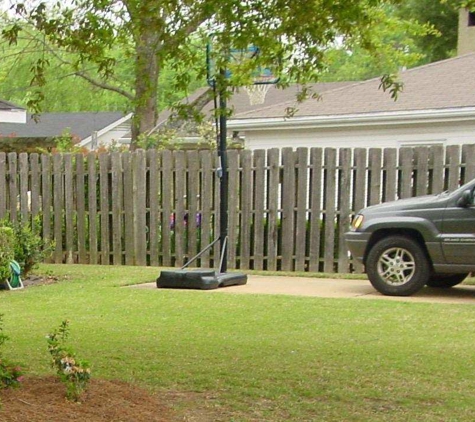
point(335, 288)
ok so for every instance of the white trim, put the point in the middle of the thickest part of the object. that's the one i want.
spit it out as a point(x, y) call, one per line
point(113, 125)
point(363, 119)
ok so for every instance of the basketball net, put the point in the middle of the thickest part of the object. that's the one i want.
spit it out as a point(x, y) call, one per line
point(257, 93)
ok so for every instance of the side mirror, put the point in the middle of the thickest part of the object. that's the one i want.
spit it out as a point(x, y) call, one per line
point(466, 199)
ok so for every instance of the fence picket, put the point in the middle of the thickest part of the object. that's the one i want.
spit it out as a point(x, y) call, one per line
point(288, 209)
point(330, 212)
point(46, 192)
point(233, 205)
point(273, 156)
point(24, 175)
point(13, 186)
point(117, 207)
point(193, 218)
point(259, 213)
point(344, 187)
point(374, 177)
point(92, 206)
point(301, 213)
point(81, 209)
point(206, 200)
point(468, 158)
point(154, 198)
point(453, 166)
point(246, 209)
point(438, 175)
point(390, 175)
point(140, 207)
point(316, 167)
point(104, 207)
point(58, 210)
point(179, 207)
point(69, 207)
point(35, 179)
point(422, 168)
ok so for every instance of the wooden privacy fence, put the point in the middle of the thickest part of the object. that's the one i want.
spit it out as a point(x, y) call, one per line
point(288, 210)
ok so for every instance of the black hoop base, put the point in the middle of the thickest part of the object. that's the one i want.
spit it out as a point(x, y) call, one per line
point(199, 279)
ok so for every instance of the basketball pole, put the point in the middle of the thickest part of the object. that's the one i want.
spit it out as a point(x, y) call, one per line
point(223, 185)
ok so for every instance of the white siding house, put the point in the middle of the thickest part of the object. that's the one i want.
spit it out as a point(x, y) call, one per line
point(10, 113)
point(437, 106)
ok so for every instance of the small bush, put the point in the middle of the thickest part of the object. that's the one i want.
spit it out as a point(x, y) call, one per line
point(29, 248)
point(74, 373)
point(7, 252)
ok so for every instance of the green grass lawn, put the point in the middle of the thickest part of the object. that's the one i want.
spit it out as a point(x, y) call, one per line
point(259, 357)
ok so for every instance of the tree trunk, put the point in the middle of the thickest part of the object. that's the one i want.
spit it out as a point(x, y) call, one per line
point(146, 84)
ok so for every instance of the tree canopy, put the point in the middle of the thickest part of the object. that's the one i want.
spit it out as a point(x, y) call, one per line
point(127, 47)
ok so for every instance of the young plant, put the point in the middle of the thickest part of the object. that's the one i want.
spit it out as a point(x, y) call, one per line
point(10, 374)
point(74, 373)
point(7, 252)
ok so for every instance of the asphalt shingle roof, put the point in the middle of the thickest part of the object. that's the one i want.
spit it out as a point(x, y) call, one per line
point(445, 84)
point(5, 105)
point(53, 124)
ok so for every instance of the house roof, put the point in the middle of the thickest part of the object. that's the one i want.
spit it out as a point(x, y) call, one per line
point(5, 105)
point(53, 124)
point(239, 101)
point(447, 84)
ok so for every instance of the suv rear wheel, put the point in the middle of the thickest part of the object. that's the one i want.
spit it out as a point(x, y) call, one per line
point(397, 266)
point(445, 281)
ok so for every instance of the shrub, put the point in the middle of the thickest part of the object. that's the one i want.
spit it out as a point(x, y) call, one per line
point(29, 248)
point(74, 373)
point(7, 252)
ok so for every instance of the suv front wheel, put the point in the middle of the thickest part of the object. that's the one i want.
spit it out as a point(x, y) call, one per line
point(397, 266)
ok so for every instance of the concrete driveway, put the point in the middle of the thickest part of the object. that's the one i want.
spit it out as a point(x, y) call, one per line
point(336, 288)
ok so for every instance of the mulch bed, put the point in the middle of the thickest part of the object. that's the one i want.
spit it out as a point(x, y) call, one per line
point(41, 399)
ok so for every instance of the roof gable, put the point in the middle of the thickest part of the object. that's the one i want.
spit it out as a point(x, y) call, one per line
point(445, 84)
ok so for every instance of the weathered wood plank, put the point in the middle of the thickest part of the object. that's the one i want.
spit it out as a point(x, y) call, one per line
point(468, 153)
point(24, 167)
point(117, 207)
point(246, 208)
point(167, 195)
point(192, 200)
point(330, 212)
point(273, 185)
point(437, 181)
point(233, 206)
point(69, 207)
point(46, 191)
point(129, 225)
point(35, 180)
point(92, 206)
point(288, 209)
point(390, 174)
point(344, 188)
point(259, 207)
point(406, 165)
point(140, 210)
point(359, 189)
point(421, 158)
point(104, 162)
point(81, 209)
point(316, 165)
point(13, 186)
point(375, 166)
point(154, 201)
point(3, 185)
point(301, 213)
point(179, 207)
point(453, 166)
point(58, 207)
point(206, 200)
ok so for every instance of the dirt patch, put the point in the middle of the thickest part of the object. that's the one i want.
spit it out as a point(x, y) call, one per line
point(40, 280)
point(42, 399)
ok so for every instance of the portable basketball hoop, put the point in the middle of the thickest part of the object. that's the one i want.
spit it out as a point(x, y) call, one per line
point(219, 79)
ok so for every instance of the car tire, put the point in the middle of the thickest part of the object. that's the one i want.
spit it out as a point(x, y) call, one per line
point(397, 266)
point(445, 281)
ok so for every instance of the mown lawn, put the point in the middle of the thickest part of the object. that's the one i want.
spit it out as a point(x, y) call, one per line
point(256, 357)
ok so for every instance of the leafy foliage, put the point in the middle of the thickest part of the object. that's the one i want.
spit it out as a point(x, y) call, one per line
point(27, 247)
point(92, 37)
point(7, 252)
point(74, 373)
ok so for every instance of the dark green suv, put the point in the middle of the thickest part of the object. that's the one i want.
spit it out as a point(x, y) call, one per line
point(409, 243)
